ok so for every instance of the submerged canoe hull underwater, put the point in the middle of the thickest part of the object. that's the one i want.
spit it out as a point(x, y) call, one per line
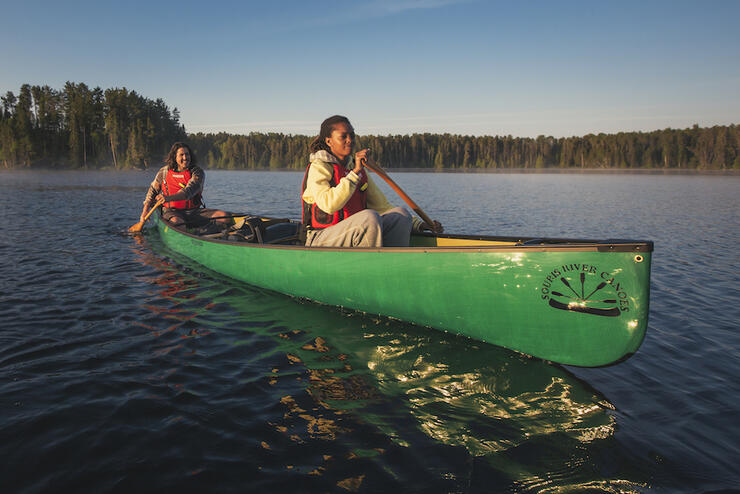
point(575, 302)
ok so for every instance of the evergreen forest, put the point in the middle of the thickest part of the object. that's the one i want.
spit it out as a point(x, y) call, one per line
point(80, 127)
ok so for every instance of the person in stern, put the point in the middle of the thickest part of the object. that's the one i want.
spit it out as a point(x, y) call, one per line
point(342, 207)
point(179, 183)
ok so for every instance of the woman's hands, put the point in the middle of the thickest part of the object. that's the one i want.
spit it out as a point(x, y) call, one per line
point(360, 158)
point(144, 212)
point(436, 228)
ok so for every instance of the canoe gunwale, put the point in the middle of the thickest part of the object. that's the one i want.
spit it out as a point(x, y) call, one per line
point(527, 244)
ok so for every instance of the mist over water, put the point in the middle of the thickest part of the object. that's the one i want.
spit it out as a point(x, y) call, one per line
point(124, 366)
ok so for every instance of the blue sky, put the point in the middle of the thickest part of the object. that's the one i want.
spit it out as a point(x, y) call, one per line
point(523, 68)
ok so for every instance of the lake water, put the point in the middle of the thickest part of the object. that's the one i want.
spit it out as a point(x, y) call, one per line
point(126, 368)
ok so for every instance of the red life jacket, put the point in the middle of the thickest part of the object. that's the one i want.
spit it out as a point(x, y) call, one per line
point(173, 183)
point(315, 217)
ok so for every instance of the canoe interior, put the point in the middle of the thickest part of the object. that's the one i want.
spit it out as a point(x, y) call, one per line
point(283, 232)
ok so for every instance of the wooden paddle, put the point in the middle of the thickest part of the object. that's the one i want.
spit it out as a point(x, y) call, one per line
point(137, 227)
point(380, 172)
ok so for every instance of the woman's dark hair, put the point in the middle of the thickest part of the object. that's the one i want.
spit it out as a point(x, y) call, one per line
point(327, 126)
point(170, 159)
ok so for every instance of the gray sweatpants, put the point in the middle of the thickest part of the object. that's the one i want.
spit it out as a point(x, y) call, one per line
point(366, 229)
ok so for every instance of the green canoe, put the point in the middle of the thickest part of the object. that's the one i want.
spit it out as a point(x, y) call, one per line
point(575, 302)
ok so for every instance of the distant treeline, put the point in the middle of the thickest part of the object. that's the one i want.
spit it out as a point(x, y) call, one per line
point(714, 148)
point(79, 127)
point(91, 128)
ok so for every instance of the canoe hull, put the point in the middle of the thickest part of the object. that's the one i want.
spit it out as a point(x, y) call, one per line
point(583, 306)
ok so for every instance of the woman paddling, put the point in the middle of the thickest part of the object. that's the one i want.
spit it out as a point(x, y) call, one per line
point(180, 184)
point(342, 207)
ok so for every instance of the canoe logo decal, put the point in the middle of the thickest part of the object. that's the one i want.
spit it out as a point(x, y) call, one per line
point(586, 289)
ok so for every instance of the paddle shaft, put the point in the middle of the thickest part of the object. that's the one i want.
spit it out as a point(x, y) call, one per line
point(380, 172)
point(138, 226)
point(152, 210)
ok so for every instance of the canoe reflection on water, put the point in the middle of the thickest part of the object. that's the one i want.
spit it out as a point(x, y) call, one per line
point(484, 398)
point(372, 387)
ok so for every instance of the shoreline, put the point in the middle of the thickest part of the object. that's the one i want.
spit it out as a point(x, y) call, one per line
point(592, 171)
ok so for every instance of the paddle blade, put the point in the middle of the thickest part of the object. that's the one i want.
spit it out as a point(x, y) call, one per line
point(137, 227)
